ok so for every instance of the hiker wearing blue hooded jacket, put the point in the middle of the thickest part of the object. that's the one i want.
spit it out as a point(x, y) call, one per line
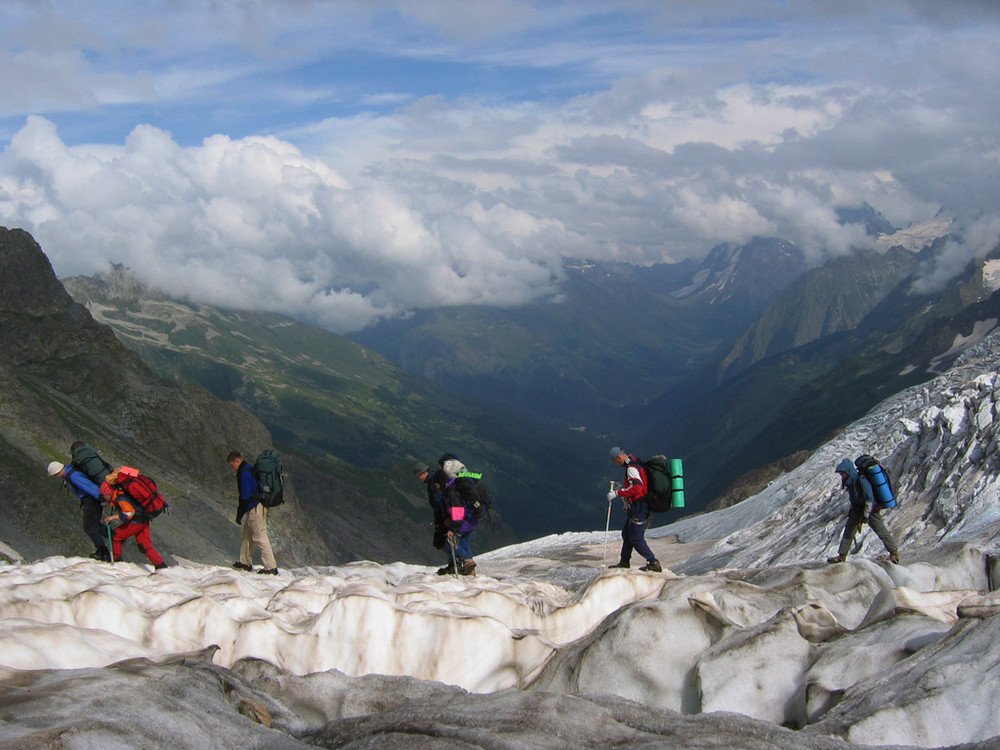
point(89, 495)
point(859, 492)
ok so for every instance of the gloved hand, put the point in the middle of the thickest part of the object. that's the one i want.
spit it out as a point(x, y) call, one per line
point(612, 494)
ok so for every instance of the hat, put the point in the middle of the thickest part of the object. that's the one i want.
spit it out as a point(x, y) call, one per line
point(420, 467)
point(615, 453)
point(54, 468)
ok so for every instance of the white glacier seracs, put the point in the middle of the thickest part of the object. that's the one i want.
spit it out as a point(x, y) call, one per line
point(748, 640)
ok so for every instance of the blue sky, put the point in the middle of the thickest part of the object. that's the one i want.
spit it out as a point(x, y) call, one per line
point(355, 160)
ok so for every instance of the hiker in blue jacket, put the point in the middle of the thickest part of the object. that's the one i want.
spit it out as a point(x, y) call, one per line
point(436, 500)
point(252, 516)
point(90, 503)
point(859, 492)
point(459, 520)
point(633, 492)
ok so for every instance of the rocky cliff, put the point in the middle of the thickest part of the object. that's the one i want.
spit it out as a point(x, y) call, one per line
point(65, 377)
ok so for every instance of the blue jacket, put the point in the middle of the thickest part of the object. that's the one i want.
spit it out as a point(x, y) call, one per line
point(249, 490)
point(435, 498)
point(82, 487)
point(859, 489)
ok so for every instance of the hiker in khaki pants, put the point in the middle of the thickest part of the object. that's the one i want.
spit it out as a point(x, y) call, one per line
point(252, 514)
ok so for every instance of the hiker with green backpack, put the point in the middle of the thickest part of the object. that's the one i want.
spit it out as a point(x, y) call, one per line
point(633, 493)
point(89, 494)
point(251, 513)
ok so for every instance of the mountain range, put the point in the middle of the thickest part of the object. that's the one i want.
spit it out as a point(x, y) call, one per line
point(693, 360)
point(743, 360)
point(775, 355)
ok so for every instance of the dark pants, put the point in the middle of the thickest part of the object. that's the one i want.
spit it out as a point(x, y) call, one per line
point(877, 523)
point(634, 533)
point(92, 525)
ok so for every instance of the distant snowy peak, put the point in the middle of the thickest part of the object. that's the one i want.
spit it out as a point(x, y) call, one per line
point(754, 271)
point(917, 236)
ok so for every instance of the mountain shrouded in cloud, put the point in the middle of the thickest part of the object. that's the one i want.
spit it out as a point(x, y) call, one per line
point(411, 160)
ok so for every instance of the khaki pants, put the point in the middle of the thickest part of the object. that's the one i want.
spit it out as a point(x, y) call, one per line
point(255, 537)
point(877, 523)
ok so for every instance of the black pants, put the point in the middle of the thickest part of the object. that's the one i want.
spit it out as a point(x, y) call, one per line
point(92, 525)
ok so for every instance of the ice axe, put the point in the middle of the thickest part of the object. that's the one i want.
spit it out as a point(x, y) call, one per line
point(861, 538)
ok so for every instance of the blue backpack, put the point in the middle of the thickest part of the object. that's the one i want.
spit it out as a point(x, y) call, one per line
point(878, 477)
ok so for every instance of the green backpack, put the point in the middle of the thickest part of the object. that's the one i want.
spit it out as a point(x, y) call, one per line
point(87, 461)
point(664, 483)
point(268, 473)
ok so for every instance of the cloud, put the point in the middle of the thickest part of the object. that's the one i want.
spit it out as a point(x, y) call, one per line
point(980, 237)
point(444, 153)
point(254, 223)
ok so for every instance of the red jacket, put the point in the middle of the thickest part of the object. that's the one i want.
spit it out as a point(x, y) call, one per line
point(635, 486)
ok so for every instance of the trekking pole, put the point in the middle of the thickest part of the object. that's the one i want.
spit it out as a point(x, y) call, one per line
point(607, 526)
point(452, 545)
point(111, 549)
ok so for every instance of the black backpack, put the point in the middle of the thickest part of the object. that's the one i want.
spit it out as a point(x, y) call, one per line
point(474, 493)
point(89, 463)
point(267, 471)
point(659, 490)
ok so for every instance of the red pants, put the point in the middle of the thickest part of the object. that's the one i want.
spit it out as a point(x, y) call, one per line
point(141, 533)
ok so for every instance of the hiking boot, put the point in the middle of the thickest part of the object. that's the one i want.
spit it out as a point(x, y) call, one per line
point(267, 572)
point(467, 568)
point(653, 567)
point(103, 554)
point(241, 566)
point(446, 571)
point(161, 566)
point(894, 557)
point(836, 559)
point(620, 564)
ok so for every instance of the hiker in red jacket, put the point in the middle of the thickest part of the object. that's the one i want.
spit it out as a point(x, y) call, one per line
point(133, 523)
point(633, 492)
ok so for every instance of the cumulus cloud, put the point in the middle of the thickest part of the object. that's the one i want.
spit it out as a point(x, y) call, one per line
point(474, 158)
point(254, 223)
